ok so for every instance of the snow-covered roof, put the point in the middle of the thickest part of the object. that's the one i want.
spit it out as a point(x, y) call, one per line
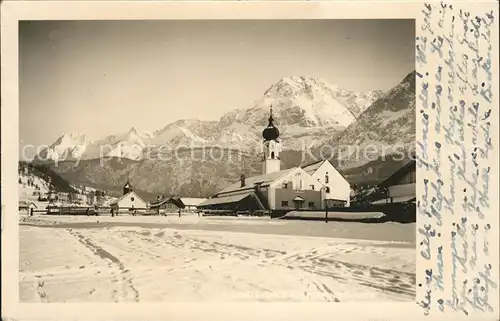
point(27, 204)
point(401, 199)
point(225, 199)
point(251, 182)
point(311, 168)
point(192, 201)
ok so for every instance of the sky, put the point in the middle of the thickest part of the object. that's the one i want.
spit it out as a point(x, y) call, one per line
point(104, 77)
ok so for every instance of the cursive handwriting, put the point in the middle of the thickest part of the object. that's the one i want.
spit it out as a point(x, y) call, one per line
point(455, 134)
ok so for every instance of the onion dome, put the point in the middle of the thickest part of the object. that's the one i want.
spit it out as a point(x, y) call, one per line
point(271, 132)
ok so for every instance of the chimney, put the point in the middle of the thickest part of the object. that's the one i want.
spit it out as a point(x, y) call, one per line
point(242, 178)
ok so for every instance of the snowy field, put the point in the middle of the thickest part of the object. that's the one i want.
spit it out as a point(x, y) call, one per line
point(147, 259)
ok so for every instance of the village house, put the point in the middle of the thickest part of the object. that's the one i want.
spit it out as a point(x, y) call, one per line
point(313, 187)
point(174, 204)
point(400, 187)
point(190, 204)
point(166, 204)
point(128, 201)
point(27, 206)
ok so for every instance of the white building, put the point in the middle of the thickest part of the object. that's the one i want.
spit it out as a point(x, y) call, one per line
point(337, 189)
point(313, 186)
point(129, 200)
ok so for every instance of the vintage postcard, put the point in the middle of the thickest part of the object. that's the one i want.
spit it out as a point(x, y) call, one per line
point(298, 160)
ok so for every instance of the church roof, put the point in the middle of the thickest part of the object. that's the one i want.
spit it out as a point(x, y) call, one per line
point(119, 199)
point(312, 167)
point(250, 182)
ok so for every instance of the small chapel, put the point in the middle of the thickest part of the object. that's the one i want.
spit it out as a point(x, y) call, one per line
point(314, 186)
point(129, 200)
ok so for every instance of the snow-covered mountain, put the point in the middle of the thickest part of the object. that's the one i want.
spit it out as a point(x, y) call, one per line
point(307, 111)
point(386, 127)
point(72, 146)
point(68, 146)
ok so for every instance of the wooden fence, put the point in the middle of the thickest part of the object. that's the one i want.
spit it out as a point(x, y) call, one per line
point(97, 211)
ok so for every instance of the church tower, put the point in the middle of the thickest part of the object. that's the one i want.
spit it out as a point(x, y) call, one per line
point(127, 188)
point(271, 145)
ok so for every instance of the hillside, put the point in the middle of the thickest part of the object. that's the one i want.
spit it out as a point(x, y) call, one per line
point(388, 126)
point(43, 175)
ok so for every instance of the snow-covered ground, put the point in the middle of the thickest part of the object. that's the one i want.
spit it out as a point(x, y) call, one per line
point(125, 259)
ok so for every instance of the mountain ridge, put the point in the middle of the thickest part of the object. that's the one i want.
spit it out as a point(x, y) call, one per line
point(305, 109)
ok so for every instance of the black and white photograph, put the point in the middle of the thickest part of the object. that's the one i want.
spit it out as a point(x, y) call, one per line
point(217, 161)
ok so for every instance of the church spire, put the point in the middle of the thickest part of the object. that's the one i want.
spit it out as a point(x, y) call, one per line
point(127, 188)
point(271, 119)
point(271, 146)
point(271, 132)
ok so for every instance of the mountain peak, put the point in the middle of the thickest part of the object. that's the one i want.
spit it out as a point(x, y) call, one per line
point(74, 137)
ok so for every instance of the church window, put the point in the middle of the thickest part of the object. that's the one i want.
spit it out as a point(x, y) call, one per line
point(300, 185)
point(284, 203)
point(132, 198)
point(327, 189)
point(326, 178)
point(285, 185)
point(312, 187)
point(272, 155)
point(311, 205)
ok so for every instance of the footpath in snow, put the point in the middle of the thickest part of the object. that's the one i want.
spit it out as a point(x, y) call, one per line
point(125, 263)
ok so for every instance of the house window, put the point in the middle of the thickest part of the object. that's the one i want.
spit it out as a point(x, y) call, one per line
point(327, 189)
point(284, 203)
point(311, 205)
point(285, 185)
point(326, 178)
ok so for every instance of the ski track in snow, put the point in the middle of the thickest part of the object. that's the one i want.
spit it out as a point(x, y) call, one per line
point(128, 264)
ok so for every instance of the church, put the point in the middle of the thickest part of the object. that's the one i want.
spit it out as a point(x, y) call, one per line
point(311, 187)
point(129, 200)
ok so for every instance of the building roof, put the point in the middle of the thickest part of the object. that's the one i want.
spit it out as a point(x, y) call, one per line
point(251, 182)
point(408, 167)
point(225, 199)
point(192, 201)
point(401, 199)
point(312, 167)
point(172, 199)
point(27, 204)
point(119, 199)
